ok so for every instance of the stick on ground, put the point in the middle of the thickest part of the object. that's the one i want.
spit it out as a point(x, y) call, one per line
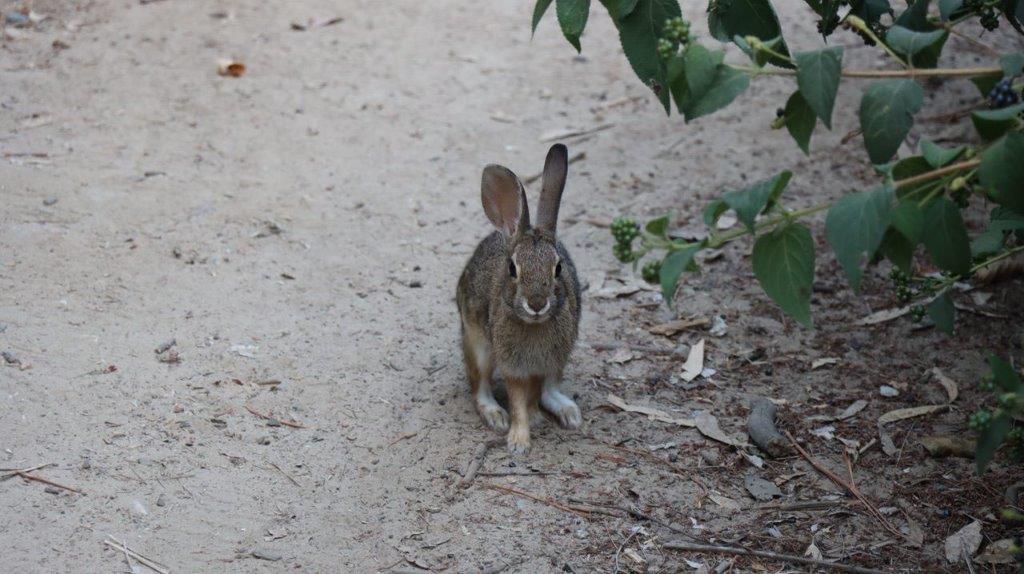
point(478, 459)
point(686, 546)
point(147, 562)
point(546, 500)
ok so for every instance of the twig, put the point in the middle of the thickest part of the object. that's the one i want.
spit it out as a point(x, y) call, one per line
point(478, 459)
point(589, 221)
point(14, 471)
point(402, 437)
point(549, 501)
point(147, 562)
point(575, 158)
point(576, 133)
point(292, 424)
point(28, 476)
point(638, 348)
point(686, 546)
point(852, 489)
point(286, 475)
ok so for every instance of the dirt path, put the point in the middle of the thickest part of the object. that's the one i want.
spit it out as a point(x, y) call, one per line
point(305, 223)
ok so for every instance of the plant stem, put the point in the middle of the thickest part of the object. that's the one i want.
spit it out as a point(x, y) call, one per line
point(930, 175)
point(855, 22)
point(997, 258)
point(908, 73)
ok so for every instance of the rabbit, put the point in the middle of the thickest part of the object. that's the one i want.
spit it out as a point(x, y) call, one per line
point(519, 305)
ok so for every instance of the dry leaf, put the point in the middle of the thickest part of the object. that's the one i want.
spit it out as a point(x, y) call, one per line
point(718, 327)
point(726, 221)
point(999, 552)
point(652, 413)
point(694, 362)
point(813, 551)
point(827, 432)
point(725, 502)
point(818, 363)
point(943, 446)
point(1005, 269)
point(615, 288)
point(707, 424)
point(231, 68)
point(888, 446)
point(915, 534)
point(900, 414)
point(678, 326)
point(947, 383)
point(761, 489)
point(854, 408)
point(622, 356)
point(964, 543)
point(883, 316)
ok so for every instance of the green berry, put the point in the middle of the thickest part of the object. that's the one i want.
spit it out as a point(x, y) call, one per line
point(986, 384)
point(666, 49)
point(904, 293)
point(979, 421)
point(917, 313)
point(651, 271)
point(624, 230)
point(1009, 401)
point(623, 253)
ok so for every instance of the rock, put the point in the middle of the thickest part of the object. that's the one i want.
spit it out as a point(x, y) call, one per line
point(761, 489)
point(265, 554)
point(887, 391)
point(264, 440)
point(51, 490)
point(160, 500)
point(710, 456)
point(964, 543)
point(49, 201)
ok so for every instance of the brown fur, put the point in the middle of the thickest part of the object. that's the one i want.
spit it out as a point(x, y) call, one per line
point(524, 326)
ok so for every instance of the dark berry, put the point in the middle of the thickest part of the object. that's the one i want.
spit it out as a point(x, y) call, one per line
point(989, 19)
point(651, 271)
point(1003, 95)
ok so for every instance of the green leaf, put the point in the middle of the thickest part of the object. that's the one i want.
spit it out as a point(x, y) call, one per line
point(992, 124)
point(871, 11)
point(1002, 171)
point(897, 249)
point(990, 439)
point(619, 9)
point(750, 201)
point(705, 85)
point(947, 7)
point(817, 75)
point(886, 114)
point(1012, 64)
point(942, 312)
point(784, 266)
point(538, 12)
point(855, 226)
point(658, 227)
point(916, 17)
point(989, 241)
point(908, 219)
point(639, 32)
point(572, 17)
point(730, 18)
point(800, 121)
point(672, 267)
point(921, 49)
point(985, 84)
point(1013, 10)
point(909, 167)
point(760, 57)
point(937, 156)
point(1006, 378)
point(945, 236)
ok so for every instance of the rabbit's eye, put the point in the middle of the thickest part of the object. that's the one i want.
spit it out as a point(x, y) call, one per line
point(511, 268)
point(558, 269)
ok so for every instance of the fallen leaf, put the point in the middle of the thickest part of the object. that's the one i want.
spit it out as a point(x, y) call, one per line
point(854, 408)
point(883, 316)
point(694, 362)
point(813, 551)
point(943, 446)
point(707, 424)
point(952, 391)
point(901, 414)
point(725, 502)
point(615, 288)
point(888, 446)
point(231, 68)
point(826, 432)
point(888, 391)
point(622, 356)
point(679, 325)
point(819, 363)
point(760, 488)
point(998, 552)
point(964, 543)
point(915, 534)
point(652, 413)
point(634, 555)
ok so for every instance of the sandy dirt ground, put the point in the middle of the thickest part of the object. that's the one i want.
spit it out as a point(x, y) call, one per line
point(298, 231)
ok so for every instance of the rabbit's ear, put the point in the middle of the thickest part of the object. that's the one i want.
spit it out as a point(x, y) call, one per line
point(504, 200)
point(555, 168)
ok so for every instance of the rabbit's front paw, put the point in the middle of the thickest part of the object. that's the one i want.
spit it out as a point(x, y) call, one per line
point(495, 416)
point(518, 443)
point(562, 407)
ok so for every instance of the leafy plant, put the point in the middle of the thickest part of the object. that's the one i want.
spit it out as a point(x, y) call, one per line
point(918, 200)
point(1000, 425)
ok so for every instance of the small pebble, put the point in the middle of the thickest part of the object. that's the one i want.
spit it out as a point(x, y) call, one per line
point(415, 284)
point(49, 201)
point(16, 18)
point(264, 440)
point(265, 554)
point(160, 500)
point(887, 391)
point(51, 490)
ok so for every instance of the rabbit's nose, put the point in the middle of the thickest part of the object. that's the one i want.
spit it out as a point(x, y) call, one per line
point(538, 306)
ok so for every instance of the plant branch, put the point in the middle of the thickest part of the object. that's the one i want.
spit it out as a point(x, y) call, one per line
point(934, 174)
point(857, 23)
point(908, 73)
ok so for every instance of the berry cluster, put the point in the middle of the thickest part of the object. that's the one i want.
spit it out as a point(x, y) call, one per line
point(980, 420)
point(677, 34)
point(624, 230)
point(1003, 94)
point(989, 19)
point(917, 313)
point(651, 271)
point(901, 282)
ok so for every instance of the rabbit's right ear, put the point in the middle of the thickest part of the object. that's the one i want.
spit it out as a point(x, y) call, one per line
point(504, 200)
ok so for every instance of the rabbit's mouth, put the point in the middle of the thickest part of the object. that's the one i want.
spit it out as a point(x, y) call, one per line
point(530, 315)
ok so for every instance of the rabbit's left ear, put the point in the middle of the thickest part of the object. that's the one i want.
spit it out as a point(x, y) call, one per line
point(556, 167)
point(504, 200)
